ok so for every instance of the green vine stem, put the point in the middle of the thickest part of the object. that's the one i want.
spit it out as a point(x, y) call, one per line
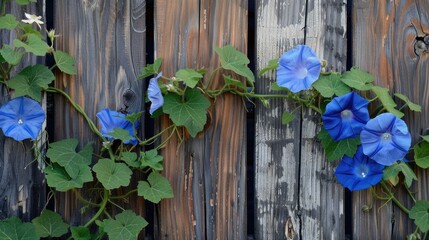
point(153, 138)
point(125, 195)
point(82, 199)
point(101, 209)
point(79, 109)
point(394, 199)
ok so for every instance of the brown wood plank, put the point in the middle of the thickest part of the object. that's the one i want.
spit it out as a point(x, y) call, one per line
point(385, 36)
point(22, 189)
point(295, 187)
point(107, 40)
point(208, 172)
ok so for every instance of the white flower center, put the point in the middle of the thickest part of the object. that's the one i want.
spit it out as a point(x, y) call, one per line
point(302, 72)
point(386, 136)
point(346, 114)
point(362, 170)
point(20, 121)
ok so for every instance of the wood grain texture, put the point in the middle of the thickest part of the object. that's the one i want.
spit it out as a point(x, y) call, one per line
point(389, 43)
point(208, 172)
point(22, 190)
point(107, 40)
point(296, 194)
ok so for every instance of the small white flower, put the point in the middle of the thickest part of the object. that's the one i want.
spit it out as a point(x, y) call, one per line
point(33, 19)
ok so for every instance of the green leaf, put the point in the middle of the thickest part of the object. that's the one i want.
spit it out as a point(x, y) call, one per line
point(236, 61)
point(234, 82)
point(80, 233)
point(130, 158)
point(413, 107)
point(65, 62)
point(387, 100)
point(112, 174)
point(330, 85)
point(421, 154)
point(31, 80)
point(50, 224)
point(287, 117)
point(150, 69)
point(28, 28)
point(426, 138)
point(127, 225)
point(14, 229)
point(58, 178)
point(192, 113)
point(420, 213)
point(272, 65)
point(393, 170)
point(24, 2)
point(358, 79)
point(189, 76)
point(34, 45)
point(337, 149)
point(152, 160)
point(133, 117)
point(11, 56)
point(64, 153)
point(275, 87)
point(8, 21)
point(156, 188)
point(121, 134)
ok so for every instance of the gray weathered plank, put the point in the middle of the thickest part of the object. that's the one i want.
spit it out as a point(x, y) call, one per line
point(296, 193)
point(21, 181)
point(107, 40)
point(208, 172)
point(389, 43)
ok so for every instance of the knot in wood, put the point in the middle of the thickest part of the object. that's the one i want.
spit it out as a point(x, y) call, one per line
point(129, 98)
point(421, 45)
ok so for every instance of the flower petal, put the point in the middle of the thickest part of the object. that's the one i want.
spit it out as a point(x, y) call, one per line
point(349, 172)
point(385, 139)
point(298, 69)
point(22, 118)
point(109, 120)
point(345, 116)
point(155, 94)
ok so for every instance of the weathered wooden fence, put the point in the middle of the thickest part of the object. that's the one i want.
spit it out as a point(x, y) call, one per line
point(295, 192)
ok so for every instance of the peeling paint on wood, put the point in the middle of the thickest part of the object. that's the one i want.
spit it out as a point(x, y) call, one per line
point(308, 198)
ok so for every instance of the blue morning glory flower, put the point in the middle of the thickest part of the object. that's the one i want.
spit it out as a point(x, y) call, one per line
point(154, 94)
point(109, 120)
point(345, 116)
point(298, 69)
point(359, 172)
point(385, 139)
point(21, 118)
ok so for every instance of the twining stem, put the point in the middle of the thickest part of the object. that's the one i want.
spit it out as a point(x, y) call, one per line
point(3, 7)
point(394, 199)
point(167, 139)
point(82, 199)
point(101, 209)
point(125, 195)
point(303, 101)
point(212, 76)
point(79, 109)
point(151, 139)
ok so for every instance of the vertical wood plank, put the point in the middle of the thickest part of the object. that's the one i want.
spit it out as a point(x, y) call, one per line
point(321, 198)
point(207, 173)
point(389, 43)
point(297, 197)
point(22, 191)
point(279, 27)
point(107, 40)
